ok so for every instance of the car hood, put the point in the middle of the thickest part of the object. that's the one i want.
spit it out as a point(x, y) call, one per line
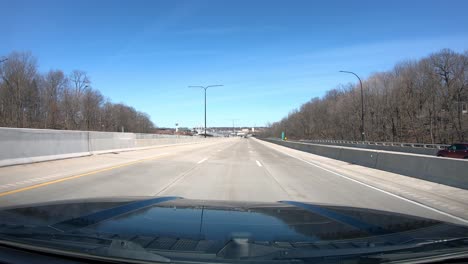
point(147, 219)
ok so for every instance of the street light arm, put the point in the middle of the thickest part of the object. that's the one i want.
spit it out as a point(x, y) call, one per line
point(354, 75)
point(216, 85)
point(202, 87)
point(205, 87)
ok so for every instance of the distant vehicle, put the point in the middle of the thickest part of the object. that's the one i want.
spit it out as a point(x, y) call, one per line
point(241, 134)
point(459, 151)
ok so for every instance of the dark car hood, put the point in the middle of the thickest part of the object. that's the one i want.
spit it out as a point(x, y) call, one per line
point(176, 218)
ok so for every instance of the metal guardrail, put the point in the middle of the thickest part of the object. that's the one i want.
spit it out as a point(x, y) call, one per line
point(396, 144)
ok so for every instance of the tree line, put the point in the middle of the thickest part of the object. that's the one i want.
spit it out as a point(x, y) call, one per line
point(423, 101)
point(55, 100)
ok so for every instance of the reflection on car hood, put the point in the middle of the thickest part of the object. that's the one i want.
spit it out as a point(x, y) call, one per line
point(161, 222)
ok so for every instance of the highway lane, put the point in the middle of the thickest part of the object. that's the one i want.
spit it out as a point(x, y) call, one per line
point(135, 173)
point(227, 169)
point(235, 174)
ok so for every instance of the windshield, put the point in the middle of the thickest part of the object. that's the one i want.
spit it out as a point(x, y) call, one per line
point(171, 131)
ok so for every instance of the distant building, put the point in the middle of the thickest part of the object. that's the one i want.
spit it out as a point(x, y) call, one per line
point(164, 131)
point(185, 131)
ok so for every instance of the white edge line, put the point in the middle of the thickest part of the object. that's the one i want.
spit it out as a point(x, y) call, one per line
point(378, 189)
point(201, 161)
point(258, 163)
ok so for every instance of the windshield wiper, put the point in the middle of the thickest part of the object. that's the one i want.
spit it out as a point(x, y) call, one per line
point(432, 247)
point(428, 252)
point(78, 245)
point(420, 257)
point(128, 250)
point(106, 246)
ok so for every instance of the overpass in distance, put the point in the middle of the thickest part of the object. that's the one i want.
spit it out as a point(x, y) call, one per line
point(240, 169)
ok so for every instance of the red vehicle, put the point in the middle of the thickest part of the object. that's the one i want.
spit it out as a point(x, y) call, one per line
point(459, 151)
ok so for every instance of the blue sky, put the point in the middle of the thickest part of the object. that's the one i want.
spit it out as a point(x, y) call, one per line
point(271, 56)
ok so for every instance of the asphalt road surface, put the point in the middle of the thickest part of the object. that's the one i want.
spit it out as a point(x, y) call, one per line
point(230, 169)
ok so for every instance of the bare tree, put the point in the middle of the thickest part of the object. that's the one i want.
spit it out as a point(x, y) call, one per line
point(54, 85)
point(55, 100)
point(19, 89)
point(418, 101)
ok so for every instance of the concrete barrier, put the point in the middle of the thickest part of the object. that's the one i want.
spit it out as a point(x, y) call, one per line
point(413, 165)
point(143, 140)
point(363, 157)
point(452, 172)
point(448, 171)
point(329, 152)
point(326, 151)
point(109, 140)
point(23, 145)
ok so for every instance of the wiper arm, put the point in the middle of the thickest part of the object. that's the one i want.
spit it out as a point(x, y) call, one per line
point(128, 250)
point(428, 252)
point(303, 253)
point(419, 257)
point(91, 246)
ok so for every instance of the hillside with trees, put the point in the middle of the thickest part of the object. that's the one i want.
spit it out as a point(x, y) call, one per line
point(421, 101)
point(58, 100)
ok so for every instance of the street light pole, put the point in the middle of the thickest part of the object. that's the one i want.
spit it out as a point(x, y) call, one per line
point(363, 137)
point(233, 123)
point(3, 77)
point(205, 88)
point(205, 111)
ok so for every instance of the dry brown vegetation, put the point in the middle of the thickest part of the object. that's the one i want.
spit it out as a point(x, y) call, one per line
point(418, 101)
point(56, 100)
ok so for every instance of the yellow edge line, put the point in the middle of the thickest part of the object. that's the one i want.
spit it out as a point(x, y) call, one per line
point(77, 176)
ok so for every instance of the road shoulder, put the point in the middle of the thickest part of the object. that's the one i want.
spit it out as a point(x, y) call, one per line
point(451, 200)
